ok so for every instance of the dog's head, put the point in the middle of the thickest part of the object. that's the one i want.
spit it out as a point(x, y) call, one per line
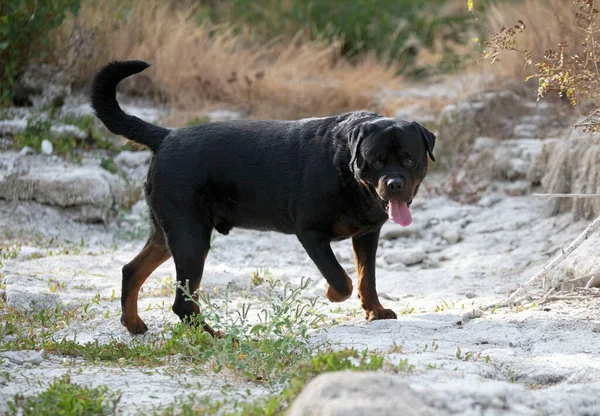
point(389, 157)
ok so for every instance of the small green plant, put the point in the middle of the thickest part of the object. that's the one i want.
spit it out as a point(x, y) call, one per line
point(471, 356)
point(260, 276)
point(38, 130)
point(407, 310)
point(108, 164)
point(322, 362)
point(25, 27)
point(8, 251)
point(266, 346)
point(65, 398)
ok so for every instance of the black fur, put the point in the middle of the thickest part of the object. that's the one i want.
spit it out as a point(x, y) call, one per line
point(310, 177)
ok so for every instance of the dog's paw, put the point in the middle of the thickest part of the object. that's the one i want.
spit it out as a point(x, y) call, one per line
point(134, 326)
point(376, 314)
point(334, 296)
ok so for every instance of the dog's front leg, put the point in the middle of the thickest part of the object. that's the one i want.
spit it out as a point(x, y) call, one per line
point(317, 245)
point(365, 249)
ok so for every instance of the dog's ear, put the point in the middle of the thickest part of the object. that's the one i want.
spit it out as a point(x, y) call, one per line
point(355, 138)
point(429, 138)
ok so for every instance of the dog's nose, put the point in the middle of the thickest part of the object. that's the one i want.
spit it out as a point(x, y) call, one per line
point(395, 185)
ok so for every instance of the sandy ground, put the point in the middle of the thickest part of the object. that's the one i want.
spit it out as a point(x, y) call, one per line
point(541, 360)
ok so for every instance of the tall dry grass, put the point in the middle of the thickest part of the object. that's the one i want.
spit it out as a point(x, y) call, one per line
point(203, 65)
point(548, 22)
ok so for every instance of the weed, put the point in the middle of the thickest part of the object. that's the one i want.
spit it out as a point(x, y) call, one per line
point(443, 306)
point(268, 347)
point(471, 356)
point(407, 310)
point(108, 164)
point(8, 251)
point(259, 276)
point(65, 398)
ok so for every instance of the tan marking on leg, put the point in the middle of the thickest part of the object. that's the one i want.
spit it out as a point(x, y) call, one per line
point(367, 291)
point(152, 255)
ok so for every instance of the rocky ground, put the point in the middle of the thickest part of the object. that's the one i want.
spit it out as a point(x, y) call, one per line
point(463, 252)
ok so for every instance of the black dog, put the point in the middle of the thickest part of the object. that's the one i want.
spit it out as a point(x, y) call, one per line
point(321, 179)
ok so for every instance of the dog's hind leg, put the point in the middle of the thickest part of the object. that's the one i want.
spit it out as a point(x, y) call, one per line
point(190, 244)
point(135, 274)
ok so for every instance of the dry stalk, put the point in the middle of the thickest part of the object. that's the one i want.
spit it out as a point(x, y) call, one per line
point(521, 293)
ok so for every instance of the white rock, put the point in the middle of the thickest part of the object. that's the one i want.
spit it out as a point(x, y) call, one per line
point(407, 256)
point(526, 131)
point(47, 147)
point(12, 127)
point(350, 393)
point(23, 357)
point(90, 189)
point(128, 159)
point(26, 151)
point(449, 231)
point(27, 252)
point(26, 293)
point(67, 130)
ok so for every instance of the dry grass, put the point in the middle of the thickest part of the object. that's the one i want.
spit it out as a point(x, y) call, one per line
point(548, 22)
point(200, 65)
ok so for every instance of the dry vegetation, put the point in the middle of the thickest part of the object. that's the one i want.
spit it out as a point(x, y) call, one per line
point(203, 65)
point(557, 43)
point(548, 23)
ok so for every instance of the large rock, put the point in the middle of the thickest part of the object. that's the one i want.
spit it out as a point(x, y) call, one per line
point(348, 393)
point(27, 293)
point(492, 113)
point(22, 357)
point(497, 114)
point(508, 160)
point(570, 166)
point(41, 85)
point(90, 189)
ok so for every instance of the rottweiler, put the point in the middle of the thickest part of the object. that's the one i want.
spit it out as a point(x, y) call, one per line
point(322, 179)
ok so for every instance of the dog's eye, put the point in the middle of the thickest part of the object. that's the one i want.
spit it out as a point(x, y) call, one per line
point(408, 162)
point(378, 164)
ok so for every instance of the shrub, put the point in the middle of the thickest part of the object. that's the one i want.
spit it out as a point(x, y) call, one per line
point(207, 64)
point(562, 46)
point(396, 30)
point(24, 34)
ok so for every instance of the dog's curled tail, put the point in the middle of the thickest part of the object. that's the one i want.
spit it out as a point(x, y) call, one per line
point(104, 103)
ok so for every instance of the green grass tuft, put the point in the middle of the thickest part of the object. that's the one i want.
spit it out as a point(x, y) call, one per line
point(65, 398)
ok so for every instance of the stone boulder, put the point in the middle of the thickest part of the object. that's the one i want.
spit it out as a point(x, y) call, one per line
point(509, 160)
point(497, 114)
point(348, 393)
point(570, 165)
point(89, 189)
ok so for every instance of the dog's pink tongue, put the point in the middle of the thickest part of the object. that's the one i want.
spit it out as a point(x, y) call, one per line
point(399, 213)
